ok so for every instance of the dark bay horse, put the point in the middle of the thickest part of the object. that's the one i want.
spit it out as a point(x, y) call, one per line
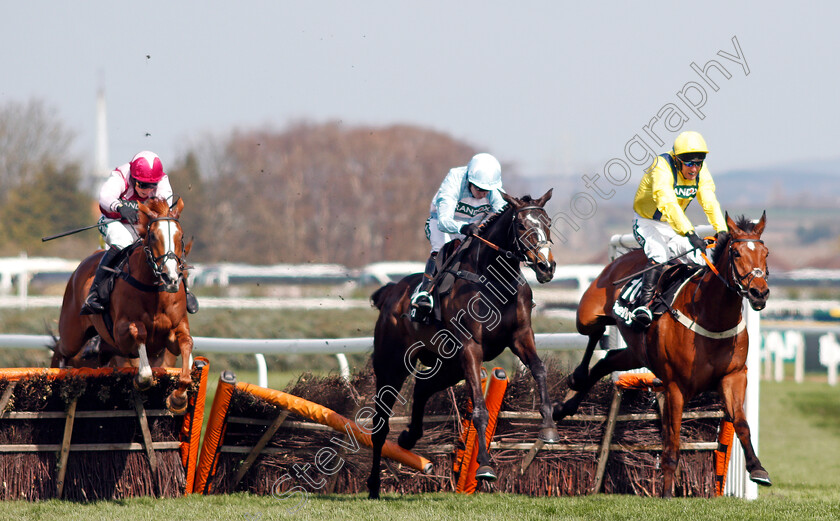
point(147, 307)
point(704, 349)
point(487, 309)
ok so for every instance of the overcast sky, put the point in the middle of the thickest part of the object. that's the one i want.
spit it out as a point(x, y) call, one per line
point(553, 87)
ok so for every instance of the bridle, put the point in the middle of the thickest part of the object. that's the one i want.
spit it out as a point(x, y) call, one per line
point(534, 248)
point(157, 263)
point(519, 253)
point(738, 285)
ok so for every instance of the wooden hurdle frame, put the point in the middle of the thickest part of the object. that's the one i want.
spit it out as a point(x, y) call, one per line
point(189, 433)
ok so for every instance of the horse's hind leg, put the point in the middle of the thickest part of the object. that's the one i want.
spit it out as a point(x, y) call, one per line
point(390, 376)
point(424, 388)
point(733, 388)
point(579, 378)
point(617, 360)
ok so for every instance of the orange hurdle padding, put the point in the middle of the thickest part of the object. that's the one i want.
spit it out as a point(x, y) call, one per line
point(493, 401)
point(722, 454)
point(191, 428)
point(324, 416)
point(53, 373)
point(640, 381)
point(213, 434)
point(467, 436)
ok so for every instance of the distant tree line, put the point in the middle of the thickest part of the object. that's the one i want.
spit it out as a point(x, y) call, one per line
point(321, 193)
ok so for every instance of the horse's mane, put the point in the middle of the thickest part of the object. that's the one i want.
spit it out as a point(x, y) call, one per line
point(495, 217)
point(744, 224)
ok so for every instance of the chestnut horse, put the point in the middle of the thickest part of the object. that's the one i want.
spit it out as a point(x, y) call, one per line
point(147, 306)
point(700, 345)
point(487, 309)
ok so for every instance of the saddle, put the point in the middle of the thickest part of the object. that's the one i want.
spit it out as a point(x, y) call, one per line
point(447, 270)
point(670, 283)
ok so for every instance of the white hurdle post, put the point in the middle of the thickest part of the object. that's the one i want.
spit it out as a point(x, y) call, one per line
point(830, 356)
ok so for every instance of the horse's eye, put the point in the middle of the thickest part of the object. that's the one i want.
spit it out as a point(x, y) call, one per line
point(736, 253)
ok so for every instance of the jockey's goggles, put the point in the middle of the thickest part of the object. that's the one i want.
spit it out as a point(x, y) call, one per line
point(144, 186)
point(690, 164)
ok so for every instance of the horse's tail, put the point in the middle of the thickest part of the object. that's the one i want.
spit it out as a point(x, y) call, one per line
point(378, 297)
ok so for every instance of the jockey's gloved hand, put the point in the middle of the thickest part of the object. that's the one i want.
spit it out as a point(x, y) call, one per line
point(720, 237)
point(469, 229)
point(128, 212)
point(696, 241)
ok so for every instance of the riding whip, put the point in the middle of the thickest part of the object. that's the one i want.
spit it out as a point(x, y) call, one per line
point(77, 230)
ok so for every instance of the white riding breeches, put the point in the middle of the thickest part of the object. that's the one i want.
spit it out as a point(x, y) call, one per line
point(661, 243)
point(436, 237)
point(117, 234)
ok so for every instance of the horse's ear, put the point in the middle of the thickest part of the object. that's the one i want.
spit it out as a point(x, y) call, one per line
point(176, 208)
point(144, 215)
point(544, 199)
point(730, 224)
point(759, 226)
point(509, 199)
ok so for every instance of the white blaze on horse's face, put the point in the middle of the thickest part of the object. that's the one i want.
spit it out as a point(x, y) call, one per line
point(168, 230)
point(541, 236)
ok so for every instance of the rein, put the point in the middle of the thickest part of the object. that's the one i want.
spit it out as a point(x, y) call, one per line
point(738, 278)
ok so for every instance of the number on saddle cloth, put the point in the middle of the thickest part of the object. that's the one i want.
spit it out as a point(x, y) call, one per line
point(670, 283)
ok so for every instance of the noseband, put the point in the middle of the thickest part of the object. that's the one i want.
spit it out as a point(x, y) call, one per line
point(156, 263)
point(755, 273)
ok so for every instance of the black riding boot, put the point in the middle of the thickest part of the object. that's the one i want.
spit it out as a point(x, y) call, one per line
point(642, 315)
point(192, 302)
point(421, 301)
point(97, 298)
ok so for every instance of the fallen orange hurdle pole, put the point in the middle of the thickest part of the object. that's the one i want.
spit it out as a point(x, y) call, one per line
point(313, 411)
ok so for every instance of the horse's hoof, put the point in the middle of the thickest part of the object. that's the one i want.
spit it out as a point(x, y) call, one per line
point(176, 405)
point(406, 441)
point(142, 384)
point(549, 435)
point(761, 477)
point(485, 473)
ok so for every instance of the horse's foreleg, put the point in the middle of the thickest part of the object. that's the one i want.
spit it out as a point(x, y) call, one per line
point(525, 348)
point(144, 371)
point(177, 400)
point(671, 423)
point(733, 388)
point(471, 362)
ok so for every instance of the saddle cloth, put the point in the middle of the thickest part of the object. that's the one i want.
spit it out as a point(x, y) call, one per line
point(667, 288)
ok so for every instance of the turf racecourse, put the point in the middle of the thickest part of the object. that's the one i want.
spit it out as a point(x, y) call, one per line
point(799, 445)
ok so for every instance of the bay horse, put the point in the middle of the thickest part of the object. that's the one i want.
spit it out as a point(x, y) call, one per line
point(147, 309)
point(700, 345)
point(487, 309)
